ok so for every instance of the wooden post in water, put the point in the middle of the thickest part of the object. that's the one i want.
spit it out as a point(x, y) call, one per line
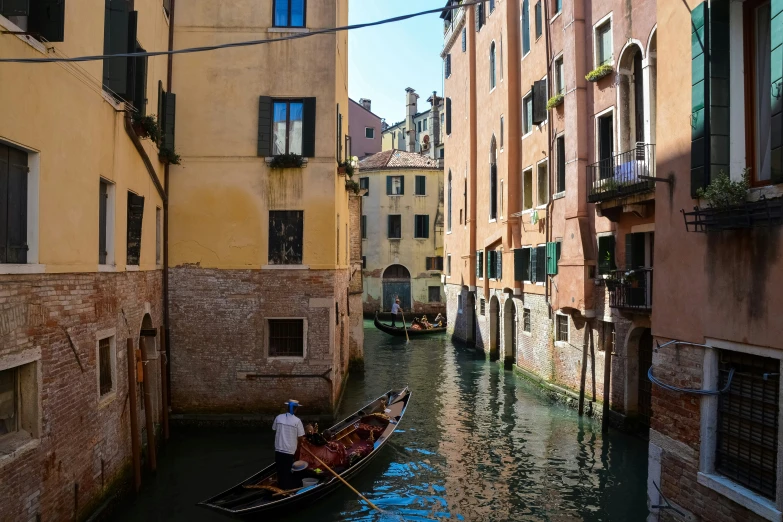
point(584, 376)
point(152, 461)
point(134, 421)
point(164, 394)
point(607, 387)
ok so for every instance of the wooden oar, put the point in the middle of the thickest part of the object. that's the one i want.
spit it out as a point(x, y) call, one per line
point(407, 339)
point(341, 479)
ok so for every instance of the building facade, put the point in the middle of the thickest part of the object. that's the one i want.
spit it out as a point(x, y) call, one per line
point(715, 442)
point(81, 285)
point(260, 262)
point(364, 128)
point(420, 132)
point(402, 232)
point(548, 184)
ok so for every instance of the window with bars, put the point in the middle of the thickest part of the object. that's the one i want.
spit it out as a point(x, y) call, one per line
point(105, 366)
point(747, 428)
point(286, 337)
point(482, 307)
point(286, 230)
point(561, 328)
point(526, 320)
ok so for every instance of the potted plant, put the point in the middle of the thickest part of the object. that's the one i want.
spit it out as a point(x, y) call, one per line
point(352, 185)
point(554, 101)
point(146, 127)
point(169, 156)
point(348, 166)
point(723, 193)
point(599, 72)
point(287, 161)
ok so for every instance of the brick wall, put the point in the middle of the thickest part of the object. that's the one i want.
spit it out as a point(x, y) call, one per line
point(219, 359)
point(81, 440)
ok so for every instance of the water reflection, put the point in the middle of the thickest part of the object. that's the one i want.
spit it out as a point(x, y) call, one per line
point(477, 443)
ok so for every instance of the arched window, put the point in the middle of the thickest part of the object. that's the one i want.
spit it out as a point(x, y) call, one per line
point(492, 66)
point(493, 181)
point(448, 219)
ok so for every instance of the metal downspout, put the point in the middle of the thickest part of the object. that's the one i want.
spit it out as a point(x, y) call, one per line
point(167, 337)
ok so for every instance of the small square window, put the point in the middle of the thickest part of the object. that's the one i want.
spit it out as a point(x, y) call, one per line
point(561, 328)
point(369, 133)
point(433, 294)
point(286, 337)
point(395, 185)
point(364, 184)
point(526, 320)
point(527, 114)
point(289, 13)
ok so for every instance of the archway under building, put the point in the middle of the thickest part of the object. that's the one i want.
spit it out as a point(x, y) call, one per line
point(494, 328)
point(509, 333)
point(396, 284)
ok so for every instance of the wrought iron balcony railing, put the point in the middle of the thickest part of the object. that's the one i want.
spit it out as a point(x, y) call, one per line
point(631, 289)
point(623, 174)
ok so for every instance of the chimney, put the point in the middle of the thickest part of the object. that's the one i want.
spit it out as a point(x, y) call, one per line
point(367, 104)
point(412, 102)
point(435, 103)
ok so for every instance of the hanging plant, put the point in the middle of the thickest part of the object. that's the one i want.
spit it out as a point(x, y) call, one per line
point(554, 101)
point(599, 72)
point(169, 156)
point(287, 161)
point(146, 127)
point(348, 166)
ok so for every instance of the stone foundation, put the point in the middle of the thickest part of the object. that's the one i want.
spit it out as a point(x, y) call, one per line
point(77, 445)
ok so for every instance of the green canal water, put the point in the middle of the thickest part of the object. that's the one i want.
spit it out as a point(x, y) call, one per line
point(478, 443)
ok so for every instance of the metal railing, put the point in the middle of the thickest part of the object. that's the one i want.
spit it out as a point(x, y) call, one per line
point(631, 289)
point(453, 20)
point(623, 174)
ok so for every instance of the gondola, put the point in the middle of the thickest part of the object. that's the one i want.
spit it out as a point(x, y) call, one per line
point(368, 429)
point(400, 332)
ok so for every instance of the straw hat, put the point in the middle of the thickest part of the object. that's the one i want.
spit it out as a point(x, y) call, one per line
point(292, 402)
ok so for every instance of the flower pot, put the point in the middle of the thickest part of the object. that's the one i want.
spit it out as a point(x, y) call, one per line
point(140, 131)
point(341, 170)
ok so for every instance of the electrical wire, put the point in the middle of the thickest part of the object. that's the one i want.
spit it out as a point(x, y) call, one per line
point(247, 43)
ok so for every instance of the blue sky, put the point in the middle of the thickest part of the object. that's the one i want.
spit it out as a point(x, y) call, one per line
point(384, 60)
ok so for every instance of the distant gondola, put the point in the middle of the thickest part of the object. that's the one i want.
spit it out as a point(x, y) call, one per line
point(369, 428)
point(400, 332)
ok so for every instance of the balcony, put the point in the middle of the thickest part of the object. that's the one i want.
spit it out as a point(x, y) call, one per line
point(753, 214)
point(631, 290)
point(623, 175)
point(452, 19)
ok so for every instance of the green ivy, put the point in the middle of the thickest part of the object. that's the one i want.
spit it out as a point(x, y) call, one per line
point(599, 72)
point(169, 155)
point(724, 193)
point(554, 101)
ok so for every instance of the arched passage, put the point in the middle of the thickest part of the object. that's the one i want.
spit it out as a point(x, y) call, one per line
point(509, 333)
point(494, 328)
point(396, 284)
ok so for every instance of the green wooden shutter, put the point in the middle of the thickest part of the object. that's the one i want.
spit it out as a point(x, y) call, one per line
point(699, 67)
point(426, 226)
point(533, 265)
point(264, 126)
point(14, 8)
point(388, 185)
point(448, 115)
point(140, 83)
point(47, 19)
point(519, 264)
point(16, 239)
point(551, 258)
point(539, 102)
point(776, 77)
point(402, 185)
point(130, 88)
point(115, 40)
point(541, 265)
point(169, 120)
point(499, 257)
point(308, 128)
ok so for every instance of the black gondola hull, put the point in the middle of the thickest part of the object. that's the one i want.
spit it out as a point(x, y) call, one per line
point(400, 332)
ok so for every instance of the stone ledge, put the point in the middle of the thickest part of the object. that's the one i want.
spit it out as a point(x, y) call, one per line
point(238, 419)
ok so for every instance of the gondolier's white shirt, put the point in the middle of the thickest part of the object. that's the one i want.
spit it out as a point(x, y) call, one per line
point(288, 428)
point(395, 309)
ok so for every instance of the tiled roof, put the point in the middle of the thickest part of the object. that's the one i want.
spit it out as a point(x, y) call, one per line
point(397, 159)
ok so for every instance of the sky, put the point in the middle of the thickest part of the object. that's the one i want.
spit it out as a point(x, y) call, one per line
point(384, 60)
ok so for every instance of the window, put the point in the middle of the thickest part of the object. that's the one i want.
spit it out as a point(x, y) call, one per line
point(43, 20)
point(420, 189)
point(364, 261)
point(103, 222)
point(19, 389)
point(395, 227)
point(448, 204)
point(605, 129)
point(482, 307)
point(527, 184)
point(603, 43)
point(106, 366)
point(559, 76)
point(459, 304)
point(364, 227)
point(364, 184)
point(447, 65)
point(522, 259)
point(539, 24)
point(527, 114)
point(495, 264)
point(448, 265)
point(561, 164)
point(135, 218)
point(448, 116)
point(480, 264)
point(538, 264)
point(525, 27)
point(464, 39)
point(606, 261)
point(287, 127)
point(493, 191)
point(492, 66)
point(158, 230)
point(9, 393)
point(433, 294)
point(526, 320)
point(481, 18)
point(747, 426)
point(421, 228)
point(500, 196)
point(502, 132)
point(419, 125)
point(561, 328)
point(286, 337)
point(286, 230)
point(491, 6)
point(289, 13)
point(13, 205)
point(558, 6)
point(434, 263)
point(542, 183)
point(424, 125)
point(369, 133)
point(395, 185)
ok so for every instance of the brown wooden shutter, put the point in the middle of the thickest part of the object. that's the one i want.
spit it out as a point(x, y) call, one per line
point(140, 83)
point(539, 102)
point(265, 126)
point(308, 128)
point(135, 217)
point(47, 19)
point(168, 125)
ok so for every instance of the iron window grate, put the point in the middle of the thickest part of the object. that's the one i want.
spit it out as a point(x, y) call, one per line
point(286, 338)
point(562, 328)
point(104, 352)
point(747, 445)
point(526, 320)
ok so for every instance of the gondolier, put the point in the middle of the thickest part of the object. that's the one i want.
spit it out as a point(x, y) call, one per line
point(396, 309)
point(289, 434)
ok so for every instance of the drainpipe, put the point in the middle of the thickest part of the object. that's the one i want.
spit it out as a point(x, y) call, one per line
point(512, 144)
point(550, 134)
point(166, 325)
point(472, 166)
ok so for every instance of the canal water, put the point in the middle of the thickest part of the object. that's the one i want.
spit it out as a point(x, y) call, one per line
point(478, 443)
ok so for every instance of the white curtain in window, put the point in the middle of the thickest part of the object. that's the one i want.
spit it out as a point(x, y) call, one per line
point(295, 129)
point(763, 93)
point(278, 128)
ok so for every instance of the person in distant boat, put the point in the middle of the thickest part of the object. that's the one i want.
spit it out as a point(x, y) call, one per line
point(425, 323)
point(289, 434)
point(440, 321)
point(396, 309)
point(416, 324)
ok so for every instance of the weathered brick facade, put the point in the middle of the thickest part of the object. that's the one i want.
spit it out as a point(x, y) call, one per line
point(219, 332)
point(80, 442)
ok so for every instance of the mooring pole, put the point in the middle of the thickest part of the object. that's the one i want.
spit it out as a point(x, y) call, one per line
point(164, 407)
point(134, 421)
point(584, 375)
point(607, 388)
point(152, 462)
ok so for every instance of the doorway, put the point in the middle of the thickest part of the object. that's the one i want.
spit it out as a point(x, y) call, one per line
point(509, 334)
point(470, 319)
point(494, 328)
point(396, 284)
